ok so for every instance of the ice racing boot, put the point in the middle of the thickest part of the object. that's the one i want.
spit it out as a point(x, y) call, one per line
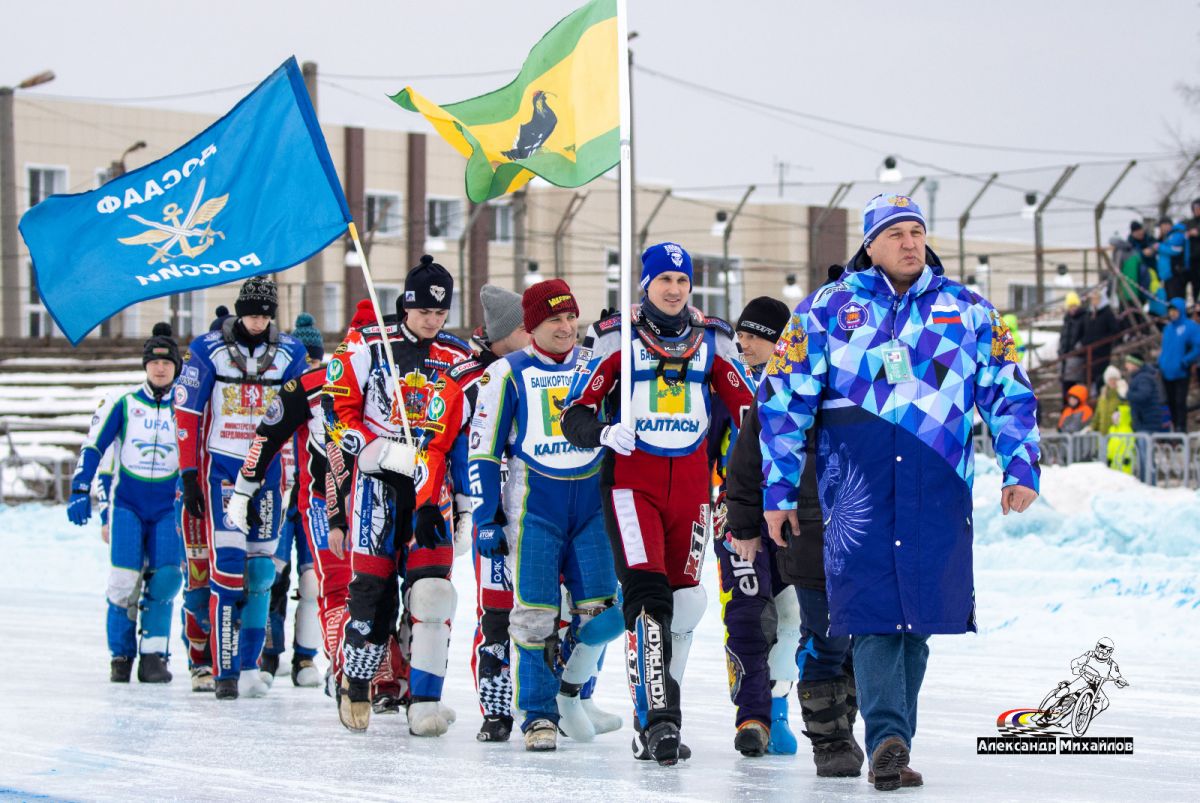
point(202, 678)
point(662, 743)
point(152, 668)
point(541, 735)
point(603, 721)
point(226, 688)
point(120, 669)
point(269, 664)
point(429, 718)
point(783, 741)
point(304, 673)
point(751, 739)
point(495, 729)
point(252, 683)
point(354, 704)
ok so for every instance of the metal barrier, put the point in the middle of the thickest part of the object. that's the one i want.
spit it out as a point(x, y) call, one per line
point(1085, 447)
point(1172, 459)
point(1056, 449)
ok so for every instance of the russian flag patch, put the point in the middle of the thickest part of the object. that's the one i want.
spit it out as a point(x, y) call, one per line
point(945, 313)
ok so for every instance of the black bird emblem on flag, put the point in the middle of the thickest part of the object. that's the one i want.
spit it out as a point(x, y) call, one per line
point(532, 135)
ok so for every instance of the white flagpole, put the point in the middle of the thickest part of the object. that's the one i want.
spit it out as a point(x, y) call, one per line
point(397, 387)
point(626, 181)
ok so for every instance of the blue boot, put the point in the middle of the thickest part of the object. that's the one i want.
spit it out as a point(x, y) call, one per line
point(783, 741)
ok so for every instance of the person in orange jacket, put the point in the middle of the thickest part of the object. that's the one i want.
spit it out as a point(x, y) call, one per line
point(1077, 414)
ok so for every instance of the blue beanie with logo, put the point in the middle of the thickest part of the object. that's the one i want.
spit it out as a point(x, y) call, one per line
point(884, 211)
point(664, 257)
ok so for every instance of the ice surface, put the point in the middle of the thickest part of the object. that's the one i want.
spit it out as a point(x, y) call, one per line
point(1048, 585)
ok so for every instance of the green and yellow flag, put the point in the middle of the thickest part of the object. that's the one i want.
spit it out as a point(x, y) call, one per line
point(558, 119)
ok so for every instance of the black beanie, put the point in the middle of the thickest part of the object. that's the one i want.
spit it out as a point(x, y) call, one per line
point(1136, 225)
point(258, 296)
point(222, 312)
point(428, 286)
point(161, 346)
point(764, 317)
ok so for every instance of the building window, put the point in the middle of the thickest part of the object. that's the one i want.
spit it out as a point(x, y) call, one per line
point(385, 215)
point(502, 231)
point(444, 219)
point(331, 307)
point(388, 296)
point(44, 182)
point(612, 277)
point(708, 286)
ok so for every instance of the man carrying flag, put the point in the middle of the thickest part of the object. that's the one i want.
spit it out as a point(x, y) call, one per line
point(230, 379)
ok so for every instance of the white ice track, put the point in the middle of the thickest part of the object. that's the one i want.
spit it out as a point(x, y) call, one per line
point(66, 733)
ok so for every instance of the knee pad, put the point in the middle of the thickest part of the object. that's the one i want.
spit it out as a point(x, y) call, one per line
point(432, 599)
point(688, 609)
point(164, 583)
point(602, 628)
point(122, 585)
point(260, 574)
point(532, 626)
point(308, 587)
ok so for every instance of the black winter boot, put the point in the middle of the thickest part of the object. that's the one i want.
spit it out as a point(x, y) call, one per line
point(152, 668)
point(852, 715)
point(751, 739)
point(120, 669)
point(495, 729)
point(226, 688)
point(827, 725)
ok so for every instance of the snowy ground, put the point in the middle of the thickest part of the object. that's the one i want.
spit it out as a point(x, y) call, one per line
point(1100, 555)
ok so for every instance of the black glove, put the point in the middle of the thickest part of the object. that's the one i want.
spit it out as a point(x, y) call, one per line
point(254, 511)
point(429, 527)
point(193, 499)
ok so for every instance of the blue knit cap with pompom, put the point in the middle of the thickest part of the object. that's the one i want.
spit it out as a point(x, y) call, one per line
point(308, 334)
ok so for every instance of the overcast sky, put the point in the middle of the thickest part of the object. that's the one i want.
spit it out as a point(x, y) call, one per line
point(1026, 83)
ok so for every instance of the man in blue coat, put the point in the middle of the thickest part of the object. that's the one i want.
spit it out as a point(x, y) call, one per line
point(1180, 353)
point(894, 356)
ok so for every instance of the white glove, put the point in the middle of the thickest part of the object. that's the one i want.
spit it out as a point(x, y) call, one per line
point(619, 437)
point(238, 511)
point(464, 526)
point(400, 458)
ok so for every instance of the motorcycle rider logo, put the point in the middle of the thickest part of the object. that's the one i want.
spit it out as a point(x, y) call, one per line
point(1072, 705)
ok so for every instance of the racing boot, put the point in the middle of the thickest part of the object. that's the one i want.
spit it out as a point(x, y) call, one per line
point(428, 718)
point(202, 678)
point(354, 704)
point(226, 688)
point(751, 739)
point(541, 736)
point(827, 725)
point(641, 750)
point(152, 668)
point(783, 741)
point(269, 664)
point(120, 669)
point(602, 721)
point(495, 729)
point(251, 683)
point(662, 743)
point(304, 673)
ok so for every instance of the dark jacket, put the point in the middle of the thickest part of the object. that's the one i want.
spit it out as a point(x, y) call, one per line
point(803, 562)
point(1145, 400)
point(1099, 324)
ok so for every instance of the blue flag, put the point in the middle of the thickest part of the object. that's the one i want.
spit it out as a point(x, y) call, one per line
point(254, 193)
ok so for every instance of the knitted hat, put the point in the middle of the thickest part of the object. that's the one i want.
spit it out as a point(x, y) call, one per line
point(307, 334)
point(427, 286)
point(546, 299)
point(1135, 359)
point(884, 211)
point(502, 312)
point(1136, 225)
point(364, 314)
point(664, 257)
point(258, 296)
point(764, 317)
point(1112, 372)
point(221, 313)
point(1071, 300)
point(161, 346)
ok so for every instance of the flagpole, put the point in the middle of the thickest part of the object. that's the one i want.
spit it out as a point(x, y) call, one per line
point(387, 346)
point(626, 217)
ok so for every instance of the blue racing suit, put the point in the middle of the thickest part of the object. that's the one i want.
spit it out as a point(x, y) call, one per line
point(139, 425)
point(223, 390)
point(555, 528)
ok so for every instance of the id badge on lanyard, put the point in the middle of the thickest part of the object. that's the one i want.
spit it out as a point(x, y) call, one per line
point(897, 363)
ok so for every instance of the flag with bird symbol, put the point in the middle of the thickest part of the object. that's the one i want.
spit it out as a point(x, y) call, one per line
point(558, 119)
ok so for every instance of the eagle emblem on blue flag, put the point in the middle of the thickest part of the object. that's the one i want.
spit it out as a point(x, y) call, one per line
point(173, 232)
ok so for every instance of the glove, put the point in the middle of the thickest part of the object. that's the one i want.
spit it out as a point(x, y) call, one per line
point(79, 508)
point(238, 511)
point(464, 526)
point(193, 499)
point(491, 541)
point(429, 527)
point(400, 458)
point(620, 438)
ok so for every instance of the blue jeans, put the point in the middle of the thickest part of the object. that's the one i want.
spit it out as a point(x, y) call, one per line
point(888, 671)
point(821, 656)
